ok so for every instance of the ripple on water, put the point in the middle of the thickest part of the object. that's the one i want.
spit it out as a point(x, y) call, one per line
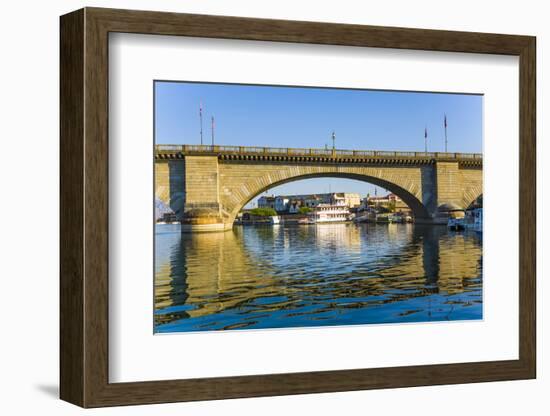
point(337, 274)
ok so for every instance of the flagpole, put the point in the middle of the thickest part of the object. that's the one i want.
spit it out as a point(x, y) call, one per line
point(445, 123)
point(212, 130)
point(200, 115)
point(425, 140)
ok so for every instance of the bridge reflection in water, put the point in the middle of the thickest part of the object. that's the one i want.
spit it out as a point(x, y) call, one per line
point(333, 274)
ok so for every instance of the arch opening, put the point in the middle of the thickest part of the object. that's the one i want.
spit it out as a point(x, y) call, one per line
point(418, 209)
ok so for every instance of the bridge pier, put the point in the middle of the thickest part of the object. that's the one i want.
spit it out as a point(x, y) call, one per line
point(202, 211)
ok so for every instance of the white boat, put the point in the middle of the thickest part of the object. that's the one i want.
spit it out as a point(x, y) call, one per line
point(324, 213)
point(275, 220)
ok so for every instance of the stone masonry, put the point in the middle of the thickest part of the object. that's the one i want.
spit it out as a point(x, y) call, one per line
point(208, 190)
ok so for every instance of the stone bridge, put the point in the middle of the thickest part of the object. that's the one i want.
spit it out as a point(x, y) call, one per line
point(206, 186)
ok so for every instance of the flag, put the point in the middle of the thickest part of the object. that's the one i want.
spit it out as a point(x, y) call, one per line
point(200, 108)
point(445, 121)
point(426, 133)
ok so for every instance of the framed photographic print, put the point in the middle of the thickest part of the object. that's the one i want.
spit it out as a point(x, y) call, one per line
point(255, 207)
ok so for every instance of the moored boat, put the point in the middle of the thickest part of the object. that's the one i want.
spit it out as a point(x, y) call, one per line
point(324, 213)
point(361, 218)
point(456, 224)
point(275, 220)
point(474, 220)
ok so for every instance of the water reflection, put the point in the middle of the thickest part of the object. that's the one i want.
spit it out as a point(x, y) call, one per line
point(331, 274)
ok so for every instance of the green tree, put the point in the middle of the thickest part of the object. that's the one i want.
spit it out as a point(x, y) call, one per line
point(304, 210)
point(263, 212)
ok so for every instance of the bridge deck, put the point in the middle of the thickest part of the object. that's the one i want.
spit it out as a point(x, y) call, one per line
point(170, 151)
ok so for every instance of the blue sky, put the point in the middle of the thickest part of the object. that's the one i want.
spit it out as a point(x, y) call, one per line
point(275, 116)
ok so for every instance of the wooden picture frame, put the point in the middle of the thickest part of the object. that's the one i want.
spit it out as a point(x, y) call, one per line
point(84, 207)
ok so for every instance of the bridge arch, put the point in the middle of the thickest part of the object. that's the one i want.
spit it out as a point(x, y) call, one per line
point(406, 188)
point(475, 201)
point(471, 194)
point(472, 186)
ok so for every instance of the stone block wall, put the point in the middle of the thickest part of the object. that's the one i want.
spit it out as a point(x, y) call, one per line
point(206, 186)
point(201, 181)
point(170, 184)
point(448, 183)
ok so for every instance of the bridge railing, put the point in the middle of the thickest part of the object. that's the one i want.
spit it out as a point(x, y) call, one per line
point(254, 150)
point(169, 147)
point(321, 152)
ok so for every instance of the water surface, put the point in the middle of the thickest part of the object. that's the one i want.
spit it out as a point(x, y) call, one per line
point(315, 275)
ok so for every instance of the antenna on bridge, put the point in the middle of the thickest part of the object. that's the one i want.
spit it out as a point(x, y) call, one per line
point(333, 140)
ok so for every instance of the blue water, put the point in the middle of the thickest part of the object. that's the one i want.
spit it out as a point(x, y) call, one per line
point(315, 275)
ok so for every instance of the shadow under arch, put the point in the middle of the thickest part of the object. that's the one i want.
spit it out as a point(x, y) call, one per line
point(477, 202)
point(418, 209)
